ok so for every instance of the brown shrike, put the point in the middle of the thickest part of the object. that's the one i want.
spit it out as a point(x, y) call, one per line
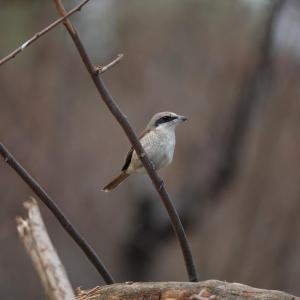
point(158, 141)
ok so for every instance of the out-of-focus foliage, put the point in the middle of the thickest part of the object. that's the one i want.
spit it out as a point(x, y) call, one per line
point(191, 57)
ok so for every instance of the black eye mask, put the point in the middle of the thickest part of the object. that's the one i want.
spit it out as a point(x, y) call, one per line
point(164, 119)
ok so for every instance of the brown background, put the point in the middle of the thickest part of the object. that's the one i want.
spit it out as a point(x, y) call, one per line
point(231, 67)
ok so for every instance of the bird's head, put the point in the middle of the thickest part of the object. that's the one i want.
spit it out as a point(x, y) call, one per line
point(165, 120)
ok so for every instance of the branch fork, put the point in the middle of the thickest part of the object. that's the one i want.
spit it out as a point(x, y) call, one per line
point(128, 130)
point(99, 69)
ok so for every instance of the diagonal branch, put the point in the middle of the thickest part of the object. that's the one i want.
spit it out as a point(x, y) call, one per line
point(122, 120)
point(101, 69)
point(41, 33)
point(35, 238)
point(62, 219)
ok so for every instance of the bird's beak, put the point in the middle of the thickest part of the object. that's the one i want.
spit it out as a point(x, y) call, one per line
point(182, 118)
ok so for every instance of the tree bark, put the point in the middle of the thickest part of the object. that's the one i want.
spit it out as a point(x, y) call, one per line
point(39, 247)
point(205, 290)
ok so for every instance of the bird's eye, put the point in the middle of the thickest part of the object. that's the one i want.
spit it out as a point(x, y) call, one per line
point(166, 118)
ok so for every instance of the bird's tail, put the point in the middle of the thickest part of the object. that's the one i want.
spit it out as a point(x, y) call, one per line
point(114, 183)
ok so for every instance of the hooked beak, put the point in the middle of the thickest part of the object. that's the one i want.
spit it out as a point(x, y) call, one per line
point(182, 118)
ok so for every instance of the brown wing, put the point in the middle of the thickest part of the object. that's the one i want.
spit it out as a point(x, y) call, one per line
point(128, 159)
point(130, 152)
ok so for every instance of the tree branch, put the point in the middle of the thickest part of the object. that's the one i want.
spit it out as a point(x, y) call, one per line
point(62, 219)
point(248, 99)
point(101, 69)
point(41, 33)
point(205, 290)
point(122, 120)
point(35, 238)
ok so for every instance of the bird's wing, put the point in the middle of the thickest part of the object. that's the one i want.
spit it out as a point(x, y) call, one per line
point(128, 160)
point(130, 152)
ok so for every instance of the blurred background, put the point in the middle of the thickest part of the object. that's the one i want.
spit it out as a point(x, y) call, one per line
point(231, 67)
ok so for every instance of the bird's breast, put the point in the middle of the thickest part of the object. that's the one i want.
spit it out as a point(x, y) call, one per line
point(159, 146)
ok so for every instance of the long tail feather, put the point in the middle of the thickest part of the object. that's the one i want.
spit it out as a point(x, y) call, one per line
point(114, 183)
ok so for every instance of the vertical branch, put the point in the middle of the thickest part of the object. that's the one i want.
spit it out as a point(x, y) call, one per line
point(36, 240)
point(62, 219)
point(122, 120)
point(247, 100)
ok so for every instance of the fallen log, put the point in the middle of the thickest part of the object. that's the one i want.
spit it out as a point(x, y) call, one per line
point(205, 290)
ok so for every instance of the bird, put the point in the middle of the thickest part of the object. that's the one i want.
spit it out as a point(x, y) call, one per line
point(158, 140)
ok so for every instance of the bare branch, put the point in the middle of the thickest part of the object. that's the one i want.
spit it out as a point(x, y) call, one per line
point(122, 120)
point(37, 242)
point(101, 69)
point(59, 215)
point(41, 33)
point(248, 99)
point(204, 290)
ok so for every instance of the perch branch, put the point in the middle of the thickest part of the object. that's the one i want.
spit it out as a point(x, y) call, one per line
point(41, 33)
point(36, 240)
point(101, 69)
point(205, 290)
point(66, 224)
point(124, 123)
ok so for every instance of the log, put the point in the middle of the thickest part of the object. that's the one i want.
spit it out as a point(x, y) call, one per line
point(205, 290)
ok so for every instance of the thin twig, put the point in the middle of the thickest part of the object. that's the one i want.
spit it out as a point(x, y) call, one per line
point(101, 69)
point(41, 33)
point(49, 202)
point(39, 247)
point(122, 120)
